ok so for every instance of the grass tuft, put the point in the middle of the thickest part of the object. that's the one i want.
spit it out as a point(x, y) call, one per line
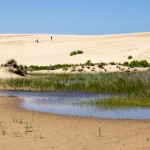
point(76, 52)
point(115, 103)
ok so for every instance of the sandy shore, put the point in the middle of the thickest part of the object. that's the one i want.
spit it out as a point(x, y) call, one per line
point(54, 132)
point(97, 48)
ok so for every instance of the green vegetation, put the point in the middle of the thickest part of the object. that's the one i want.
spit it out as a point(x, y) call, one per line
point(62, 66)
point(101, 65)
point(11, 62)
point(136, 63)
point(19, 120)
point(51, 67)
point(130, 83)
point(88, 63)
point(15, 68)
point(35, 68)
point(59, 66)
point(28, 127)
point(112, 63)
point(76, 52)
point(133, 84)
point(130, 57)
point(2, 129)
point(114, 103)
point(79, 52)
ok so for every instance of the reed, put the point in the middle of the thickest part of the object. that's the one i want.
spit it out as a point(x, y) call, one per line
point(130, 83)
point(116, 103)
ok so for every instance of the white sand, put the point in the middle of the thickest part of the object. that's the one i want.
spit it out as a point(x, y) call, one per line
point(98, 48)
point(4, 73)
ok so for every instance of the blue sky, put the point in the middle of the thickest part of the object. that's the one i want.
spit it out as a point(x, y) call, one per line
point(74, 16)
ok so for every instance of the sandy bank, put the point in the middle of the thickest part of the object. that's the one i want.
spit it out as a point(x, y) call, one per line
point(67, 133)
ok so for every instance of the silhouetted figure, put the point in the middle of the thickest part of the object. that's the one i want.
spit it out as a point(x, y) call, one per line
point(51, 38)
point(37, 41)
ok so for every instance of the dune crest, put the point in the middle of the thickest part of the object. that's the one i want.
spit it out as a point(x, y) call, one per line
point(97, 48)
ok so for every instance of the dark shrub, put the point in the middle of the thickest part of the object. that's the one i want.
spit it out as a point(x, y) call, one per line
point(13, 67)
point(125, 64)
point(76, 52)
point(136, 63)
point(88, 62)
point(73, 53)
point(112, 63)
point(130, 57)
point(101, 65)
point(79, 52)
point(11, 62)
point(144, 63)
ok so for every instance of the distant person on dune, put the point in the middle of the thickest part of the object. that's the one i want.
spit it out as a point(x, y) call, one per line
point(51, 38)
point(37, 41)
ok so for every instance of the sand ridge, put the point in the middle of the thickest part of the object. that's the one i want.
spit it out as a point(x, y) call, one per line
point(97, 48)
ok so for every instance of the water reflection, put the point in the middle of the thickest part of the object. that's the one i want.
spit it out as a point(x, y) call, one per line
point(68, 102)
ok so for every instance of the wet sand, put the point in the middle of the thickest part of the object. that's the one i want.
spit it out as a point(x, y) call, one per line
point(22, 129)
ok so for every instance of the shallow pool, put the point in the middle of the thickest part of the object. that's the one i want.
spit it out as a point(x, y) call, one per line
point(70, 103)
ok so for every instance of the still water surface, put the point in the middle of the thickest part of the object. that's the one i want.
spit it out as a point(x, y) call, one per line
point(69, 103)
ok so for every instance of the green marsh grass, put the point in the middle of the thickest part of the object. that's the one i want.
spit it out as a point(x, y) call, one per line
point(114, 103)
point(130, 83)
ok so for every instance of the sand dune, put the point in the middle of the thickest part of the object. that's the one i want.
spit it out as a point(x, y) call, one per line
point(97, 48)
